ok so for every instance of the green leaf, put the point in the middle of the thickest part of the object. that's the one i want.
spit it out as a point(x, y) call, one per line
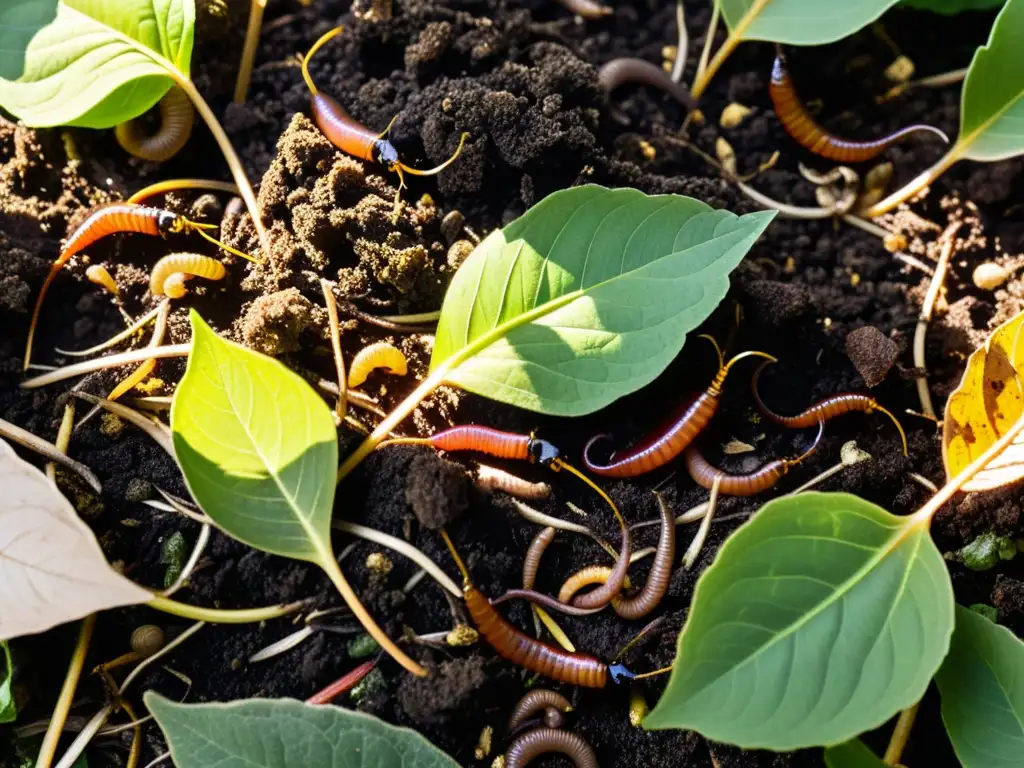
point(820, 619)
point(101, 62)
point(852, 754)
point(257, 446)
point(283, 733)
point(587, 297)
point(19, 21)
point(982, 687)
point(950, 7)
point(992, 103)
point(8, 709)
point(799, 22)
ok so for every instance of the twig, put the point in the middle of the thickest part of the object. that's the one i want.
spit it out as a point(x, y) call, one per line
point(67, 694)
point(341, 405)
point(116, 339)
point(381, 322)
point(49, 451)
point(923, 481)
point(81, 741)
point(155, 429)
point(683, 46)
point(900, 735)
point(926, 317)
point(252, 41)
point(345, 683)
point(110, 361)
point(413, 319)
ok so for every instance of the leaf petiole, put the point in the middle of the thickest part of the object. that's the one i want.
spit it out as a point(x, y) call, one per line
point(221, 615)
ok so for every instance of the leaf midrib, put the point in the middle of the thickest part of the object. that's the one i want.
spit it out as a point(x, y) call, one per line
point(969, 139)
point(842, 590)
point(156, 56)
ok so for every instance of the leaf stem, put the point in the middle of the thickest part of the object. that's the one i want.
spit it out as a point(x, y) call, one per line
point(900, 735)
point(330, 565)
point(222, 616)
point(171, 185)
point(734, 38)
point(925, 318)
point(709, 38)
point(67, 694)
point(917, 184)
point(252, 40)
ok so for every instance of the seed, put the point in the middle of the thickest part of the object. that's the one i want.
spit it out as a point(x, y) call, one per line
point(147, 640)
point(989, 276)
point(733, 115)
point(900, 70)
point(726, 155)
point(894, 242)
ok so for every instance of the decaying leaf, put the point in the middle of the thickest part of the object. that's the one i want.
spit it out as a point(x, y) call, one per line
point(985, 406)
point(52, 569)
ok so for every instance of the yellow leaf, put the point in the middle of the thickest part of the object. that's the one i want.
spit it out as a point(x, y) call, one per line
point(986, 404)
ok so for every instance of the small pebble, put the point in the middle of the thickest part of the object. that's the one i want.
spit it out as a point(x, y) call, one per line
point(989, 276)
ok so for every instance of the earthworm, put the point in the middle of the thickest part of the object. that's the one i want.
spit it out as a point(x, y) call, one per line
point(539, 741)
point(533, 555)
point(544, 600)
point(621, 71)
point(354, 138)
point(535, 655)
point(823, 410)
point(493, 442)
point(647, 599)
point(168, 274)
point(662, 447)
point(176, 116)
point(533, 702)
point(493, 479)
point(379, 355)
point(812, 136)
point(112, 219)
point(704, 474)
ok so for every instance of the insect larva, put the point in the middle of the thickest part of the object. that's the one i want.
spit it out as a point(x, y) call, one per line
point(539, 741)
point(704, 474)
point(592, 574)
point(176, 117)
point(109, 220)
point(99, 275)
point(622, 71)
point(812, 136)
point(588, 9)
point(533, 555)
point(663, 446)
point(353, 138)
point(823, 410)
point(192, 264)
point(533, 702)
point(493, 479)
point(379, 355)
point(576, 668)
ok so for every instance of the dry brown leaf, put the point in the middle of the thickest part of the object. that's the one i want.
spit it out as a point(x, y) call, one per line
point(52, 569)
point(986, 405)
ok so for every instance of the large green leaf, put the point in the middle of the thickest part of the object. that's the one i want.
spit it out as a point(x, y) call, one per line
point(95, 65)
point(949, 7)
point(852, 754)
point(587, 297)
point(19, 21)
point(799, 22)
point(8, 709)
point(982, 687)
point(257, 446)
point(992, 104)
point(284, 733)
point(819, 619)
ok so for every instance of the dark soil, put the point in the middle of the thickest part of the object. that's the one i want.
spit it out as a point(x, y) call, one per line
point(521, 79)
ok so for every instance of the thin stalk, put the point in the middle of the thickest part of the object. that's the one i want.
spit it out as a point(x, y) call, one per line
point(67, 694)
point(81, 741)
point(170, 185)
point(702, 65)
point(683, 44)
point(220, 615)
point(923, 320)
point(552, 626)
point(155, 429)
point(343, 684)
point(705, 525)
point(900, 735)
point(49, 451)
point(110, 361)
point(252, 41)
point(341, 405)
point(414, 319)
point(67, 425)
point(873, 229)
point(329, 565)
point(136, 748)
point(923, 180)
point(159, 654)
point(118, 338)
point(734, 38)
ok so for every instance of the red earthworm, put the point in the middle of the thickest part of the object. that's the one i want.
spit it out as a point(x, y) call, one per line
point(829, 408)
point(109, 220)
point(346, 682)
point(533, 555)
point(176, 117)
point(493, 479)
point(353, 138)
point(576, 668)
point(493, 442)
point(588, 9)
point(621, 71)
point(812, 136)
point(533, 702)
point(539, 741)
point(662, 447)
point(704, 474)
